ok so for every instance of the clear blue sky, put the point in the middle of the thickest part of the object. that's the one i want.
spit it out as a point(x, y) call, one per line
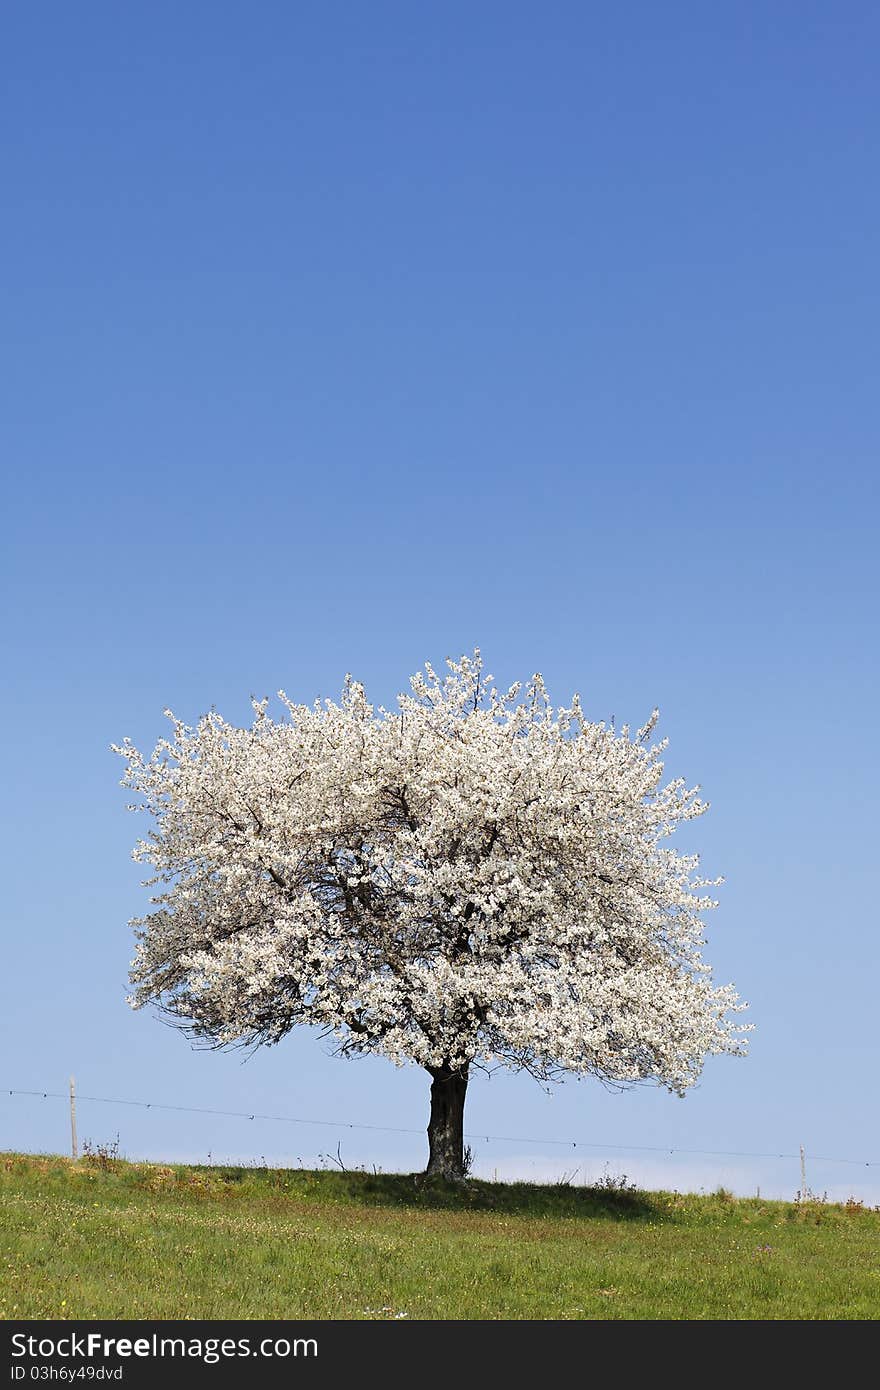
point(341, 337)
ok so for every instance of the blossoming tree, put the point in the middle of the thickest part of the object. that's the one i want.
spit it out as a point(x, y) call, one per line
point(473, 878)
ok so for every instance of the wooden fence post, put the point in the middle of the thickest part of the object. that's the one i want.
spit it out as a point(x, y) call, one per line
point(74, 1146)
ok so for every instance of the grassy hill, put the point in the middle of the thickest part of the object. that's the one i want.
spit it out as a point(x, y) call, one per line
point(110, 1239)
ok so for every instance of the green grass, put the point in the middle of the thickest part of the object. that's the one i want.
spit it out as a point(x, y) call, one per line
point(109, 1239)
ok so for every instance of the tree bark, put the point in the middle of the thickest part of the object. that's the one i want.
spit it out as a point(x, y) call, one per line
point(446, 1125)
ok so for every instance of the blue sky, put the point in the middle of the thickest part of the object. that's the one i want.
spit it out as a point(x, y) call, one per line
point(339, 338)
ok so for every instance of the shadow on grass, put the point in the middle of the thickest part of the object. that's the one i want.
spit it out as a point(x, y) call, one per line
point(616, 1200)
point(526, 1199)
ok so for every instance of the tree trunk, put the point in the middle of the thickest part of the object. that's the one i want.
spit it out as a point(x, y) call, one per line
point(446, 1125)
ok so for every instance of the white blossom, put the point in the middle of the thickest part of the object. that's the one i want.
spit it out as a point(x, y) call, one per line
point(472, 877)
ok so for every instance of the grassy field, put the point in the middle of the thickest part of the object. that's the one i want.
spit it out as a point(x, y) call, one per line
point(107, 1239)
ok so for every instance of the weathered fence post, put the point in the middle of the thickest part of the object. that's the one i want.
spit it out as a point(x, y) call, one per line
point(74, 1147)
